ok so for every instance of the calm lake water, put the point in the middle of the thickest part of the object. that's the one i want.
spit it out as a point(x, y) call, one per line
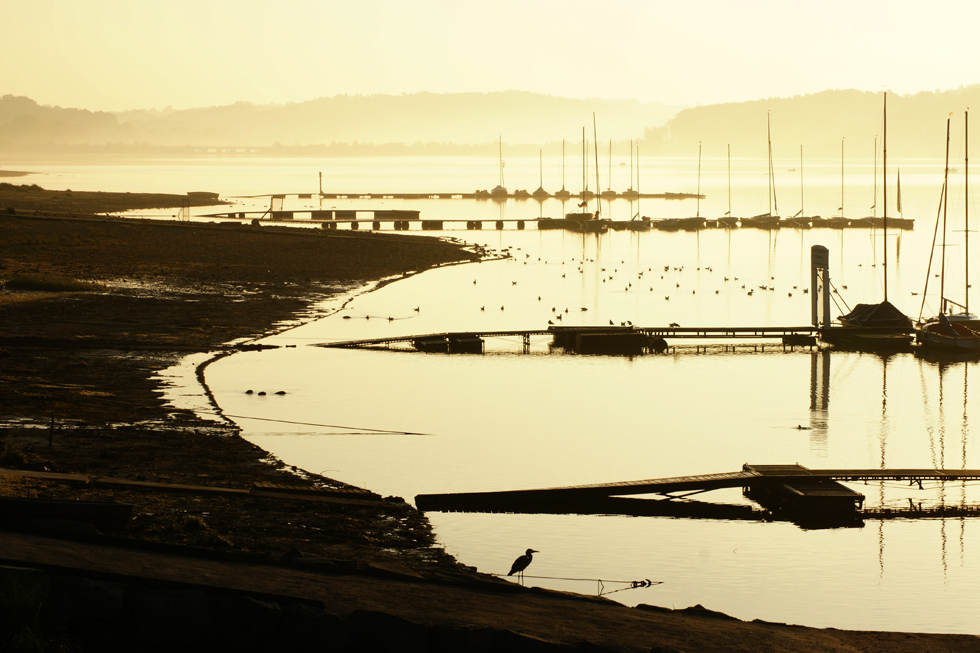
point(506, 420)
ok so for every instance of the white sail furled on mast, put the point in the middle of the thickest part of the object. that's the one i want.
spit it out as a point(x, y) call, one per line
point(898, 184)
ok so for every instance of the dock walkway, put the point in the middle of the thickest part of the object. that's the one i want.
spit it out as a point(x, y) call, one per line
point(586, 339)
point(791, 492)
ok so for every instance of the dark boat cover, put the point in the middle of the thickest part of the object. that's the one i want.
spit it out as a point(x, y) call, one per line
point(883, 315)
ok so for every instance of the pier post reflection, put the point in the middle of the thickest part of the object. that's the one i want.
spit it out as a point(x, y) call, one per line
point(819, 398)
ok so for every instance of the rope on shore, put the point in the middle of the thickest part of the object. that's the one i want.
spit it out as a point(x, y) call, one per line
point(352, 430)
point(629, 584)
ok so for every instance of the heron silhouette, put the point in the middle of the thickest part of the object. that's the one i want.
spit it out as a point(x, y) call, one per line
point(521, 564)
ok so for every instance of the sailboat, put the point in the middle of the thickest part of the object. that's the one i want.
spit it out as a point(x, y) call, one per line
point(563, 194)
point(878, 326)
point(953, 332)
point(500, 191)
point(583, 220)
point(728, 220)
point(893, 222)
point(540, 193)
point(767, 220)
point(630, 193)
point(636, 223)
point(799, 220)
point(609, 193)
point(839, 221)
point(697, 222)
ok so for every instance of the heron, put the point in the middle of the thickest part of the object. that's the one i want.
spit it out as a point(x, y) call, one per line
point(521, 564)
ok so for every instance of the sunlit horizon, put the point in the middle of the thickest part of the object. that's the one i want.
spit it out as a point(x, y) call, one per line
point(115, 55)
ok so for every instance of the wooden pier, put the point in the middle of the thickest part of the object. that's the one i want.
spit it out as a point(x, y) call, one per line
point(403, 219)
point(628, 340)
point(808, 497)
point(516, 195)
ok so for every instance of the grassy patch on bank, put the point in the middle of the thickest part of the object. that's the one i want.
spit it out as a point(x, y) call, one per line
point(21, 188)
point(48, 283)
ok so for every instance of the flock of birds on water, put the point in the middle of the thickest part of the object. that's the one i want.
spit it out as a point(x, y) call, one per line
point(608, 274)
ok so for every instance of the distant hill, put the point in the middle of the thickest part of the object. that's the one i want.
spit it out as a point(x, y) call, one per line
point(818, 122)
point(24, 122)
point(458, 118)
point(470, 123)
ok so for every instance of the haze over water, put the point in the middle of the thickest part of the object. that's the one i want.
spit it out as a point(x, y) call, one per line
point(507, 421)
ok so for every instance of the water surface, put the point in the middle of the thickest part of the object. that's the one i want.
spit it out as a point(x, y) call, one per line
point(506, 420)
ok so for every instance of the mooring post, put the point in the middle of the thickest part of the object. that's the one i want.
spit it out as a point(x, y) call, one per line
point(820, 287)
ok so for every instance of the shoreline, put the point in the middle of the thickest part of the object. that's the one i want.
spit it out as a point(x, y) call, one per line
point(89, 357)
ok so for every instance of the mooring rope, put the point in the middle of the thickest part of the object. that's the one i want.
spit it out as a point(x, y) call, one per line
point(330, 426)
point(630, 584)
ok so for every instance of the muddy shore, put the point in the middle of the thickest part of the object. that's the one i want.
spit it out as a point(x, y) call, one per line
point(79, 395)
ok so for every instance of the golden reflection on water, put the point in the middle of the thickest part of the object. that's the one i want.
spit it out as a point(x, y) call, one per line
point(507, 420)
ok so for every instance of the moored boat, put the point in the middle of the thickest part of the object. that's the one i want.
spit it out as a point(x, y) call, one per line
point(500, 191)
point(950, 331)
point(540, 193)
point(762, 221)
point(944, 335)
point(881, 326)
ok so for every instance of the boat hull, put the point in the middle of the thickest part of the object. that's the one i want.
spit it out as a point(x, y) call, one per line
point(950, 337)
point(867, 339)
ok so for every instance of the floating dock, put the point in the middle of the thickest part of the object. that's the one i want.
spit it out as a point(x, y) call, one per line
point(809, 497)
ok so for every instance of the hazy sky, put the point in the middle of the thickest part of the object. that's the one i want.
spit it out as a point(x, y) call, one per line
point(127, 54)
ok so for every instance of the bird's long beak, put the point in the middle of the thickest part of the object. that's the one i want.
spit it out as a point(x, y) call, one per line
point(535, 551)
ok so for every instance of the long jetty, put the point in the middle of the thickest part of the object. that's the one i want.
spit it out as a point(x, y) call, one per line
point(517, 195)
point(586, 339)
point(814, 497)
point(403, 219)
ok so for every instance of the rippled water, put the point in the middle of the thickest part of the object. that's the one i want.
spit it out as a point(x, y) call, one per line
point(507, 420)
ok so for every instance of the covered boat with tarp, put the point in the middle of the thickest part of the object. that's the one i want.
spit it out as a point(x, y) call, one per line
point(871, 326)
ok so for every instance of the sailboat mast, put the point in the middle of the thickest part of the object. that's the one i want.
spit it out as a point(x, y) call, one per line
point(595, 145)
point(637, 177)
point(966, 211)
point(801, 181)
point(609, 181)
point(942, 259)
point(874, 204)
point(540, 168)
point(769, 145)
point(563, 164)
point(772, 174)
point(631, 165)
point(699, 180)
point(842, 177)
point(884, 188)
point(729, 180)
point(500, 142)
